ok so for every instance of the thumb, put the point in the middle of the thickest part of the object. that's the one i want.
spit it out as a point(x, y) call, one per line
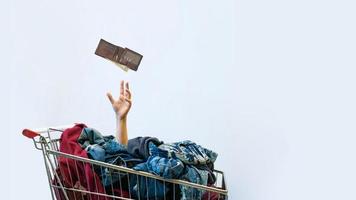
point(111, 99)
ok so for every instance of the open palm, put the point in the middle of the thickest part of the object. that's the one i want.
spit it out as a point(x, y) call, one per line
point(123, 104)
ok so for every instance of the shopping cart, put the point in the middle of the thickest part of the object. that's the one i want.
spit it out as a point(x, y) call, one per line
point(48, 139)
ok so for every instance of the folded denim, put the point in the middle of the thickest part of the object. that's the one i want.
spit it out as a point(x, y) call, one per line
point(147, 188)
point(98, 146)
point(106, 149)
point(196, 160)
point(169, 168)
point(194, 175)
point(181, 160)
point(188, 152)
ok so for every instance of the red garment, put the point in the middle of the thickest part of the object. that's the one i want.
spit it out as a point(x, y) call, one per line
point(212, 195)
point(76, 174)
point(59, 192)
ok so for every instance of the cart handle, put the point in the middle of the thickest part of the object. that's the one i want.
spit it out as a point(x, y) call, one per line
point(29, 133)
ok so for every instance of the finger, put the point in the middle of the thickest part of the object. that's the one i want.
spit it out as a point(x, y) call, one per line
point(128, 100)
point(111, 99)
point(122, 88)
point(128, 94)
point(127, 86)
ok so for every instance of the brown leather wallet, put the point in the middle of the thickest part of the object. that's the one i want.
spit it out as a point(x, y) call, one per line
point(120, 55)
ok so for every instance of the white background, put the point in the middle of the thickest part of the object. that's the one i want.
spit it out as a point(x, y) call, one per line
point(269, 85)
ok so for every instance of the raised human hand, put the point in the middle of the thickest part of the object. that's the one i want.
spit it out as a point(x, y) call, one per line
point(123, 104)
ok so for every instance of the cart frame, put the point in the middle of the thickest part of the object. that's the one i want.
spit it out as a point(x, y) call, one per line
point(44, 139)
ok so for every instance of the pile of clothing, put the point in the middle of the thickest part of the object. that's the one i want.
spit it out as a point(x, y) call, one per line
point(181, 160)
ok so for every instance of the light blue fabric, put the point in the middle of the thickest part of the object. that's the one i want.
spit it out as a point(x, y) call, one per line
point(165, 167)
point(106, 149)
point(179, 160)
point(194, 175)
point(162, 166)
point(98, 146)
point(182, 152)
point(147, 188)
point(188, 152)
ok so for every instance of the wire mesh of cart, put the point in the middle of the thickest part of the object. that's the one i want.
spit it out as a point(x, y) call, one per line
point(47, 140)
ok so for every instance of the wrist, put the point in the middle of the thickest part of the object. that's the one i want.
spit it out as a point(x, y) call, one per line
point(121, 118)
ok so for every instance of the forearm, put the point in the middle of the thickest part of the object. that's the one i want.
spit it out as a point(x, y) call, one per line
point(121, 130)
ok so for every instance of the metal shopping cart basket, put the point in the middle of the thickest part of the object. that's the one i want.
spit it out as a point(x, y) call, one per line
point(48, 139)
